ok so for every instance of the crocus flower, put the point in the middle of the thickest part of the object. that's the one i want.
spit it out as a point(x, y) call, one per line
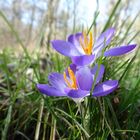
point(76, 83)
point(83, 50)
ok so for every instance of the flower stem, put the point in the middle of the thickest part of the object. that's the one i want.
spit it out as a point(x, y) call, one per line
point(40, 113)
point(7, 123)
point(90, 101)
point(46, 116)
point(53, 129)
point(104, 117)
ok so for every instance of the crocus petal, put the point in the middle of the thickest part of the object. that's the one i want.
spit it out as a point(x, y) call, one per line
point(84, 78)
point(57, 81)
point(74, 39)
point(65, 48)
point(82, 60)
point(50, 91)
point(100, 72)
point(119, 50)
point(76, 93)
point(73, 67)
point(105, 88)
point(104, 39)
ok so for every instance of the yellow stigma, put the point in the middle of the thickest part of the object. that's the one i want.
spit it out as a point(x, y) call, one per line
point(72, 82)
point(86, 43)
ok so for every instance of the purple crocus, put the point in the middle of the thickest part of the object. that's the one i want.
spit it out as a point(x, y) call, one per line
point(83, 50)
point(76, 83)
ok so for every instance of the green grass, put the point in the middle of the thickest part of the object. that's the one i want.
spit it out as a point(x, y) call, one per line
point(26, 114)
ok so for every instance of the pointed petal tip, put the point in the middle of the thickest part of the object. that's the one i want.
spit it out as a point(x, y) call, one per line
point(104, 39)
point(117, 51)
point(65, 48)
point(105, 88)
point(49, 90)
point(40, 87)
point(54, 41)
point(110, 30)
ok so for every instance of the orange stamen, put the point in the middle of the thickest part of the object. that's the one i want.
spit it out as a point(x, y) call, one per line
point(81, 43)
point(66, 80)
point(86, 44)
point(90, 45)
point(71, 84)
point(85, 38)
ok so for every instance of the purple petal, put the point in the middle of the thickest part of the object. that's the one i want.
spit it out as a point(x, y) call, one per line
point(82, 60)
point(84, 78)
point(65, 48)
point(73, 67)
point(74, 39)
point(57, 81)
point(76, 93)
point(119, 50)
point(100, 73)
point(105, 88)
point(104, 39)
point(50, 91)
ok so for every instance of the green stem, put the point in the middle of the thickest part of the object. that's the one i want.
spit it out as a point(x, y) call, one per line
point(7, 123)
point(103, 114)
point(94, 22)
point(76, 122)
point(9, 114)
point(90, 103)
point(46, 116)
point(53, 129)
point(40, 113)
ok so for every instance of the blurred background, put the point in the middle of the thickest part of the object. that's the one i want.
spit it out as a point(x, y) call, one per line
point(39, 21)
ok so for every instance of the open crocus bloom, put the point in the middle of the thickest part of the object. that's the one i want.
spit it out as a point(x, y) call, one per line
point(77, 83)
point(83, 50)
